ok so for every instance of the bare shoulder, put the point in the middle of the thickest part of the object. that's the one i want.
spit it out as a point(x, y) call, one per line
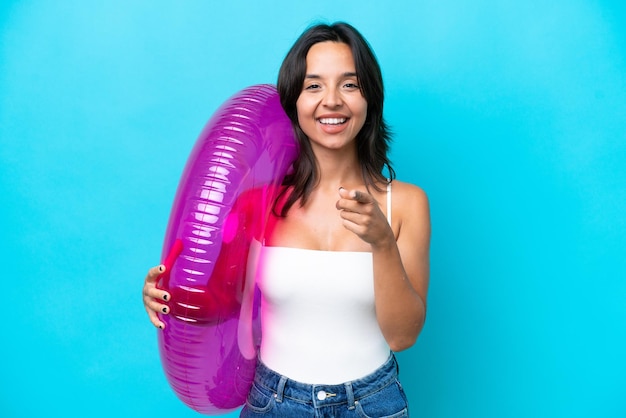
point(408, 196)
point(410, 209)
point(254, 198)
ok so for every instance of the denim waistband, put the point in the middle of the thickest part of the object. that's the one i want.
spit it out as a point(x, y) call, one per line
point(321, 395)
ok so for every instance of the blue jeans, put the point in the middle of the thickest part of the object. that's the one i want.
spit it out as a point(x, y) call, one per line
point(377, 395)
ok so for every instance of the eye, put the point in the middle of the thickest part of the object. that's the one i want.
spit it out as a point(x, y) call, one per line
point(351, 86)
point(312, 86)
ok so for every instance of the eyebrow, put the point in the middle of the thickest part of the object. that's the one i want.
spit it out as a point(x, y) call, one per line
point(316, 76)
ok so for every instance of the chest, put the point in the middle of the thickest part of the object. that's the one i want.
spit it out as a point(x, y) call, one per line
point(322, 279)
point(318, 226)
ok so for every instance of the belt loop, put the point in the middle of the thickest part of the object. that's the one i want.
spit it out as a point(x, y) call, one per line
point(280, 389)
point(350, 395)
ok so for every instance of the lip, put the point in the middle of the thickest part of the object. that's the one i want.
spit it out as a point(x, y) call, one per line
point(332, 116)
point(334, 123)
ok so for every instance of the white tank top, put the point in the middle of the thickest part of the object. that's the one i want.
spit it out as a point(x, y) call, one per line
point(318, 314)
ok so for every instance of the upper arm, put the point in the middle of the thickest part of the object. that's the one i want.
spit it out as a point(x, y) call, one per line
point(414, 236)
point(252, 211)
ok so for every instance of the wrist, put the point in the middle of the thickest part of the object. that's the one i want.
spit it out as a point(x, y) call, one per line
point(387, 243)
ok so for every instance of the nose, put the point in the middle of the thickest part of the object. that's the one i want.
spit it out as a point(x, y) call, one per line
point(332, 98)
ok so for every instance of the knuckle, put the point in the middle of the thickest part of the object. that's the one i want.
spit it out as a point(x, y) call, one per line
point(152, 305)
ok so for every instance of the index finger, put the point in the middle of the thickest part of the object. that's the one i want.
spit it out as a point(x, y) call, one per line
point(154, 273)
point(175, 250)
point(361, 197)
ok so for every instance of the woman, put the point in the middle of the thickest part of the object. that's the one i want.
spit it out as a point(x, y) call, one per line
point(361, 275)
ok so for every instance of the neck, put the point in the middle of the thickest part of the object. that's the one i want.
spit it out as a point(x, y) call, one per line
point(338, 169)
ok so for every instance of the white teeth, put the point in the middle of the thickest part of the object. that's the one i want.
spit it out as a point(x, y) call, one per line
point(332, 121)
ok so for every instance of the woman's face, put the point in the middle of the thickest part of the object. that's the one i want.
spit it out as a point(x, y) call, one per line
point(331, 108)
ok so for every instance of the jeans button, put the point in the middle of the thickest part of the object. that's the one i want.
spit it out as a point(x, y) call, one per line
point(321, 395)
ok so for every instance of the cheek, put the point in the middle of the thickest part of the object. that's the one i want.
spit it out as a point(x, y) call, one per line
point(299, 110)
point(363, 113)
point(303, 106)
point(364, 108)
point(301, 119)
point(305, 112)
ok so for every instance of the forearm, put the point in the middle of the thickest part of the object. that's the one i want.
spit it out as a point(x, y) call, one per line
point(400, 309)
point(210, 299)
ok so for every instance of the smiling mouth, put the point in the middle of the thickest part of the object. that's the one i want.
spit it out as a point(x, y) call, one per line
point(332, 121)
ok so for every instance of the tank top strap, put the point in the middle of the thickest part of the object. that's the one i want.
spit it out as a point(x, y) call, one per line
point(389, 201)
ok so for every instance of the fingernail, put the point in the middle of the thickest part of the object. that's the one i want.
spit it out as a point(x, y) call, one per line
point(340, 187)
point(161, 269)
point(165, 297)
point(160, 326)
point(164, 310)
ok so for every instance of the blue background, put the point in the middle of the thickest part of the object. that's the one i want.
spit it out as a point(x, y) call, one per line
point(510, 114)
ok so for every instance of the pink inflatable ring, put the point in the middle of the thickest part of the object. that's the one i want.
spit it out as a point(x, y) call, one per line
point(209, 345)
